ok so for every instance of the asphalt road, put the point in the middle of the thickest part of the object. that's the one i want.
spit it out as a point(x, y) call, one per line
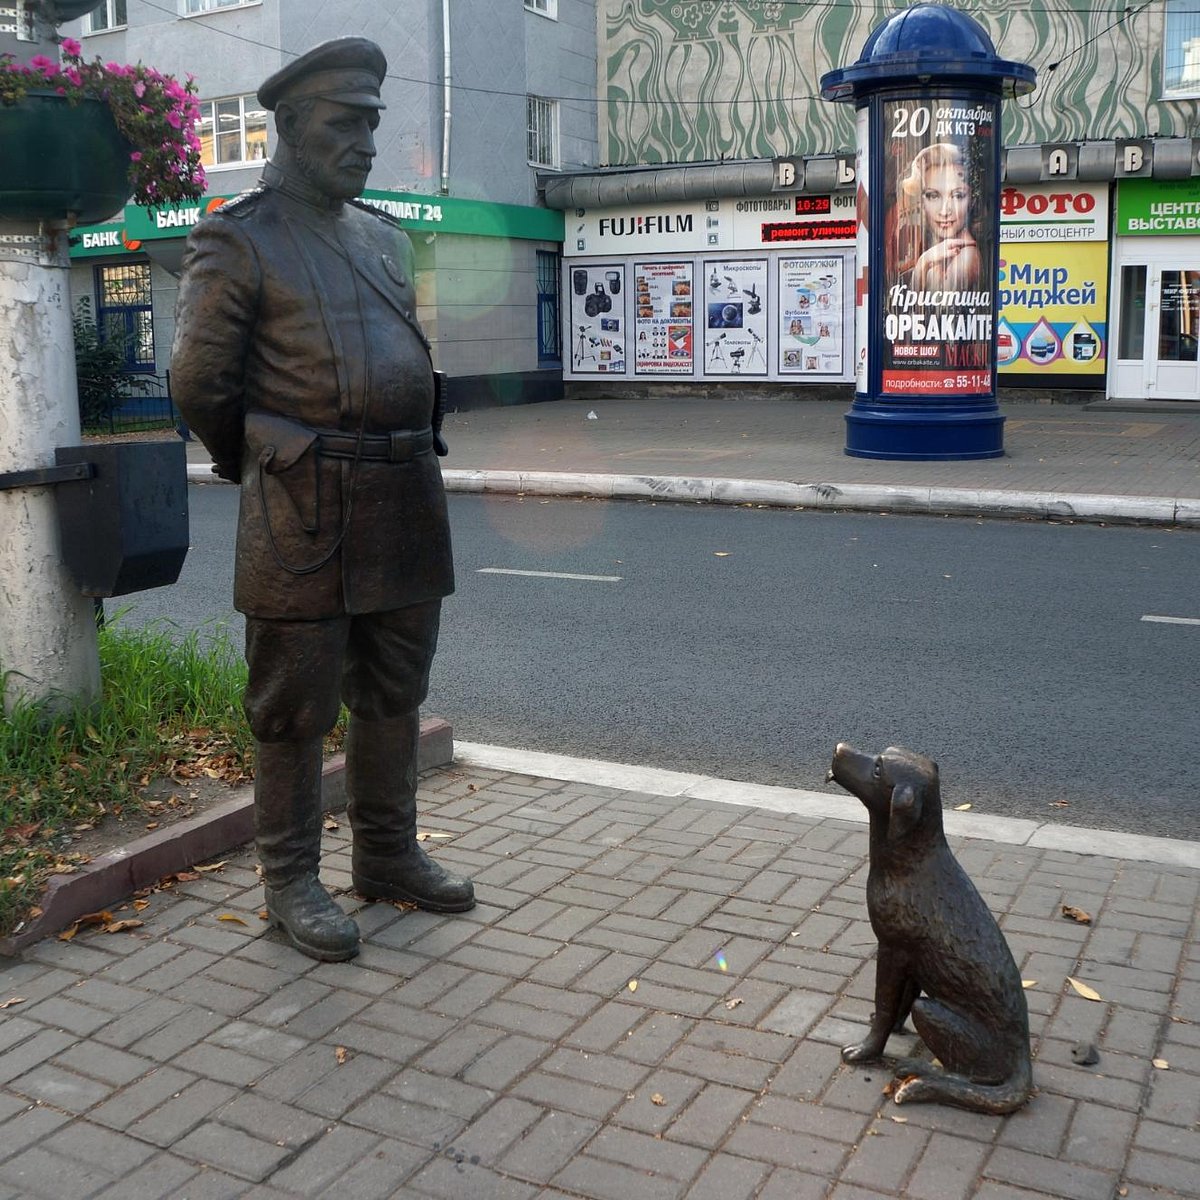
point(745, 643)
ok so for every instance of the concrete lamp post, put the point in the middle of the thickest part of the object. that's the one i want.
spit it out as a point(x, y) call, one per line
point(927, 89)
point(63, 164)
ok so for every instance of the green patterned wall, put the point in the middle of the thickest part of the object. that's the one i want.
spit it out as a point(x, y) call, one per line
point(691, 80)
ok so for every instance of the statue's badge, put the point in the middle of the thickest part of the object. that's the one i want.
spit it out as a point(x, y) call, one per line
point(392, 267)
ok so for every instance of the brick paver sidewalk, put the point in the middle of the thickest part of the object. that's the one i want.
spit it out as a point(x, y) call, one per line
point(507, 1054)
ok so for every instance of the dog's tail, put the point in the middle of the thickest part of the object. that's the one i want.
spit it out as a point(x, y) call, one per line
point(944, 1087)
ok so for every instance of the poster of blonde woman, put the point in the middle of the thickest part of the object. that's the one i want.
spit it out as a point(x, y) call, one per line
point(940, 251)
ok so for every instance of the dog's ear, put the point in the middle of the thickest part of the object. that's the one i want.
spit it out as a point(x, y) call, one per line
point(905, 812)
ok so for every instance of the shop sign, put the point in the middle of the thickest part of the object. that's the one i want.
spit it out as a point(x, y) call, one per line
point(1053, 301)
point(662, 323)
point(91, 240)
point(735, 317)
point(597, 305)
point(1050, 212)
point(1158, 208)
point(937, 281)
point(749, 223)
point(650, 228)
point(446, 214)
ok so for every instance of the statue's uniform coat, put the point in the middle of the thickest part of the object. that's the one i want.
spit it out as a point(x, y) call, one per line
point(306, 312)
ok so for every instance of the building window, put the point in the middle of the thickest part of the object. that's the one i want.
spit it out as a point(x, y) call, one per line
point(231, 131)
point(124, 310)
point(549, 271)
point(547, 8)
point(192, 7)
point(1181, 49)
point(110, 15)
point(541, 131)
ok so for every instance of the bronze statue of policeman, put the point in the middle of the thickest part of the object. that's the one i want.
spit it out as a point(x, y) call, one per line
point(300, 364)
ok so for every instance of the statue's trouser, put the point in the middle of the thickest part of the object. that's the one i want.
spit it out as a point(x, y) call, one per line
point(299, 671)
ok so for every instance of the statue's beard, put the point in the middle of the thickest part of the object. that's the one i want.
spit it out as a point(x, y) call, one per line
point(342, 181)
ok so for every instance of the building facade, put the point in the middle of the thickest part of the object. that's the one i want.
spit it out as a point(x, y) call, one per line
point(726, 166)
point(478, 102)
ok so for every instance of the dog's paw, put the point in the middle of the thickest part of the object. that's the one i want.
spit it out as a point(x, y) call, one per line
point(861, 1052)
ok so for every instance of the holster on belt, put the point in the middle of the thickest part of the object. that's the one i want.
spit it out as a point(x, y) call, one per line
point(285, 450)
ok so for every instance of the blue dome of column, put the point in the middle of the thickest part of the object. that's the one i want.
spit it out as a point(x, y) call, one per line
point(928, 44)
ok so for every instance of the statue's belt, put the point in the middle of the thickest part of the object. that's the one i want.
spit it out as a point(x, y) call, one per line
point(398, 446)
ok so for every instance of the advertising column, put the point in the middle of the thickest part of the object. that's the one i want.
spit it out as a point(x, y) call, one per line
point(926, 383)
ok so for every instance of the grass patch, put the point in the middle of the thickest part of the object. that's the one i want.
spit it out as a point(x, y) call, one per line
point(171, 706)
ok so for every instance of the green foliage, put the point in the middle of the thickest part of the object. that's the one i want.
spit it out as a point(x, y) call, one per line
point(171, 706)
point(99, 368)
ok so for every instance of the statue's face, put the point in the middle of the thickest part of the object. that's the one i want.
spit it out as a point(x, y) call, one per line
point(336, 146)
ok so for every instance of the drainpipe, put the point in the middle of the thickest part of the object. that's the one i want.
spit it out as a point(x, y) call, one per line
point(445, 97)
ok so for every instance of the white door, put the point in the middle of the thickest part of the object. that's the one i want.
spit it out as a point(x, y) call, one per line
point(1158, 332)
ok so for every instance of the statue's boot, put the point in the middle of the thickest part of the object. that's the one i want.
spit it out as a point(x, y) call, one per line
point(388, 862)
point(287, 830)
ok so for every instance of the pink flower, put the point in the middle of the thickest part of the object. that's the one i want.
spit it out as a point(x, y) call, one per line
point(47, 66)
point(71, 47)
point(136, 156)
point(139, 89)
point(74, 76)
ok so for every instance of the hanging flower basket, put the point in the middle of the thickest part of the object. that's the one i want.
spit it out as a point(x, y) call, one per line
point(62, 159)
point(80, 138)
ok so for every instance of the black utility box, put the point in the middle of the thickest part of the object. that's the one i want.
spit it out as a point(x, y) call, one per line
point(126, 528)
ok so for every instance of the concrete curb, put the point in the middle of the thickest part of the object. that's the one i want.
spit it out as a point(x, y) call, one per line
point(114, 876)
point(822, 806)
point(781, 493)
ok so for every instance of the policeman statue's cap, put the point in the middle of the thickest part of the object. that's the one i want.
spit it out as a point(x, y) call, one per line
point(349, 70)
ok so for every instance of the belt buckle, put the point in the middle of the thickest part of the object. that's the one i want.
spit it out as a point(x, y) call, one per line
point(399, 446)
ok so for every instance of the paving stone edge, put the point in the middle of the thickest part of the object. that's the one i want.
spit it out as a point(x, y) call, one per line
point(783, 493)
point(119, 873)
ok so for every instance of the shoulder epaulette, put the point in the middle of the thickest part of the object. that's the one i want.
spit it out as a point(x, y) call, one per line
point(241, 204)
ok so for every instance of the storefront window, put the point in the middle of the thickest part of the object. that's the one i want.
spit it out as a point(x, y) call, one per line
point(124, 311)
point(1179, 316)
point(1133, 312)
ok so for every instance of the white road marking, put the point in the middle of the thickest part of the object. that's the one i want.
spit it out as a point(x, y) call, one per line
point(549, 575)
point(1173, 620)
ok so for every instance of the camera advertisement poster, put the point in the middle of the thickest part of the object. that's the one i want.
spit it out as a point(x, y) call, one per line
point(735, 317)
point(811, 334)
point(662, 318)
point(597, 312)
point(939, 287)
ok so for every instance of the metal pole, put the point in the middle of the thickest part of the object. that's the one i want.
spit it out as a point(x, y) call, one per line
point(47, 627)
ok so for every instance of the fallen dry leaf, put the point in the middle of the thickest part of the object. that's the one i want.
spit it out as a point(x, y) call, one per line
point(1082, 988)
point(1160, 1063)
point(68, 933)
point(957, 808)
point(1028, 983)
point(217, 866)
point(900, 1120)
point(733, 1002)
point(11, 1001)
point(341, 1054)
point(263, 915)
point(330, 824)
point(633, 985)
point(123, 925)
point(720, 554)
point(426, 835)
point(140, 905)
point(231, 917)
point(1071, 913)
point(658, 1099)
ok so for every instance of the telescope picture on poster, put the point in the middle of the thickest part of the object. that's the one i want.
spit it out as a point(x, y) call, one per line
point(597, 318)
point(939, 241)
point(811, 335)
point(735, 317)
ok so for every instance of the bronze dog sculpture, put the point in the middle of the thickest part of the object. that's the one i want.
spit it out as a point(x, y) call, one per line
point(942, 956)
